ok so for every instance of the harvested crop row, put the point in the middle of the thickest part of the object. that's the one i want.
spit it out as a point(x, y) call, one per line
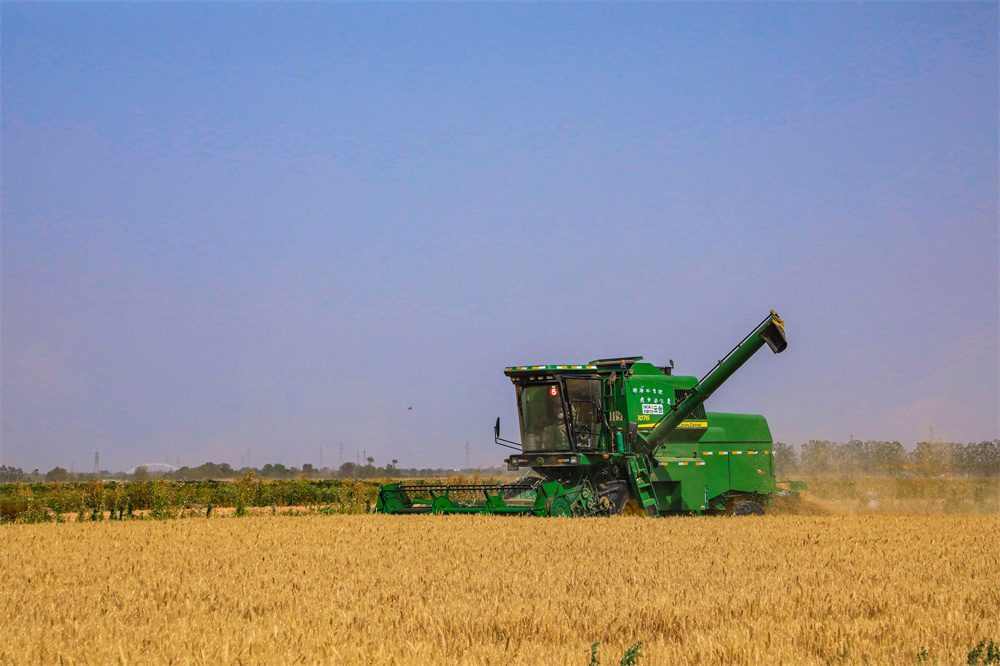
point(487, 590)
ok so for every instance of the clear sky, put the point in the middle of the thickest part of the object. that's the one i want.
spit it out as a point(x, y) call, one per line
point(281, 226)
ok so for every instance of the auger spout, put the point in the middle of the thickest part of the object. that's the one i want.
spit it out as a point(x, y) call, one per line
point(771, 332)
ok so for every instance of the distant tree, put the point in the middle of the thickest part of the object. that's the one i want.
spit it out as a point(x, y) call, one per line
point(818, 457)
point(274, 471)
point(349, 470)
point(56, 474)
point(368, 471)
point(211, 470)
point(11, 474)
point(982, 459)
point(786, 458)
point(885, 457)
point(851, 457)
point(931, 458)
point(140, 473)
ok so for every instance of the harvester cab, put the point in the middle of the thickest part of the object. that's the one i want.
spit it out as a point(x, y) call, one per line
point(621, 436)
point(560, 412)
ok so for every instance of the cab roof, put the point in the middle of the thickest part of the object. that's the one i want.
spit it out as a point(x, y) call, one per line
point(519, 369)
point(603, 364)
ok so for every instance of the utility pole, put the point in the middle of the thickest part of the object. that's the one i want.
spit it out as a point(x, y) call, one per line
point(466, 455)
point(340, 461)
point(321, 457)
point(97, 457)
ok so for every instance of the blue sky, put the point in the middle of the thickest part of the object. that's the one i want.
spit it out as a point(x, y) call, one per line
point(280, 226)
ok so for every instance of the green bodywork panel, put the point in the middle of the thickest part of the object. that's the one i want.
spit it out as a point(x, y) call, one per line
point(680, 483)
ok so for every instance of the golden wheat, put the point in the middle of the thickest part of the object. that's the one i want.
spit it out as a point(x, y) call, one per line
point(488, 590)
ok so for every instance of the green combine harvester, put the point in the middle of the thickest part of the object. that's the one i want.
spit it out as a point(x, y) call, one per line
point(621, 437)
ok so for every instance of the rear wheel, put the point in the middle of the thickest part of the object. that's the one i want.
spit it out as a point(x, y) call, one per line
point(632, 509)
point(748, 508)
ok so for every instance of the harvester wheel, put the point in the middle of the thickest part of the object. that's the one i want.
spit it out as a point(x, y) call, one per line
point(748, 508)
point(612, 496)
point(632, 509)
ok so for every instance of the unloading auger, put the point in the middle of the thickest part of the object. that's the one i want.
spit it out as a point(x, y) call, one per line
point(620, 436)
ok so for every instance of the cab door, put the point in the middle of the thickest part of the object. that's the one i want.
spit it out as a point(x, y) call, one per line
point(586, 421)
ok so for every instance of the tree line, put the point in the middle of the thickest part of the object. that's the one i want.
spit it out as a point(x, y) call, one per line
point(274, 471)
point(814, 458)
point(856, 457)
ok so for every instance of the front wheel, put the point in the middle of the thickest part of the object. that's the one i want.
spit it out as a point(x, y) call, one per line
point(612, 496)
point(748, 508)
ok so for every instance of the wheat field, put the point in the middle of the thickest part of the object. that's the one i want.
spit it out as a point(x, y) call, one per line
point(489, 590)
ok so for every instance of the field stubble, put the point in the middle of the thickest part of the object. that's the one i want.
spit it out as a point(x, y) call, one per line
point(487, 590)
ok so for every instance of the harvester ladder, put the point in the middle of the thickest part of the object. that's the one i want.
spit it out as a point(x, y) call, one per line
point(643, 486)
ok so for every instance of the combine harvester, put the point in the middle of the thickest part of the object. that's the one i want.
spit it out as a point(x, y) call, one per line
point(621, 437)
